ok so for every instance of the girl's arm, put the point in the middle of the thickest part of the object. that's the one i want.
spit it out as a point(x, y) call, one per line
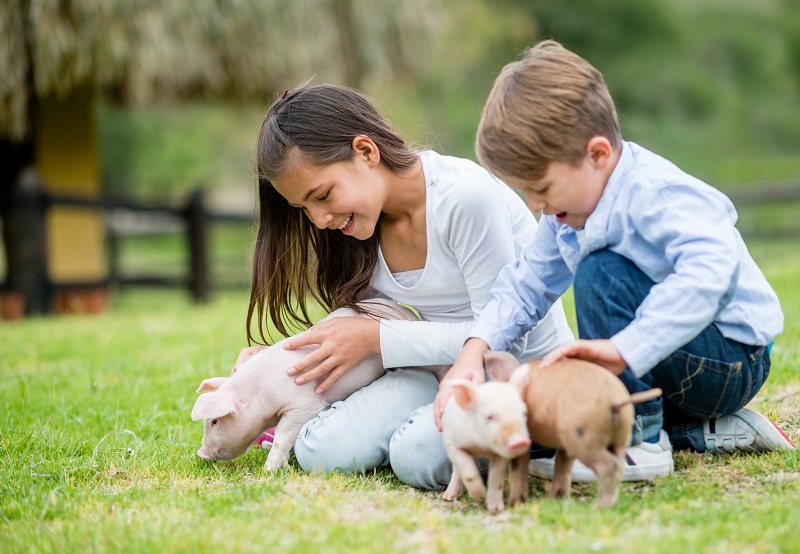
point(344, 343)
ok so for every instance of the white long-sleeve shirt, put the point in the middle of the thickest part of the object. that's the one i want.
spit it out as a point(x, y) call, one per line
point(679, 231)
point(475, 226)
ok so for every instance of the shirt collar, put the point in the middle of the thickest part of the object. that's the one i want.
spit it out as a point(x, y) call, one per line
point(595, 231)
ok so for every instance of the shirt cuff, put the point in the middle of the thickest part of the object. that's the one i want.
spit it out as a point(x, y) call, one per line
point(636, 350)
point(490, 335)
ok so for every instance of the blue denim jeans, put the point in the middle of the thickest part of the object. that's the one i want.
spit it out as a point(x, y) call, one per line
point(710, 377)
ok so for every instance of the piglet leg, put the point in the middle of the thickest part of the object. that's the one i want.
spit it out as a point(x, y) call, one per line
point(562, 474)
point(518, 480)
point(609, 468)
point(455, 488)
point(285, 434)
point(497, 478)
point(464, 464)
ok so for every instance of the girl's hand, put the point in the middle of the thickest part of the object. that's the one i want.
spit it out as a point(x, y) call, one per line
point(469, 365)
point(245, 354)
point(343, 343)
point(599, 351)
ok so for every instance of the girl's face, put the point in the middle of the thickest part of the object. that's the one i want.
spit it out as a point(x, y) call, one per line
point(345, 196)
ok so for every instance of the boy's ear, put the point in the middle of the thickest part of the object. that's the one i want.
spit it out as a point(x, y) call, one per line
point(366, 148)
point(599, 150)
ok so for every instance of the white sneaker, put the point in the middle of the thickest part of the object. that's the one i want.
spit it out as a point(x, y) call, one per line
point(744, 431)
point(645, 461)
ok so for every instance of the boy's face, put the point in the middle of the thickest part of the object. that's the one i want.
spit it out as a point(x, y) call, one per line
point(571, 193)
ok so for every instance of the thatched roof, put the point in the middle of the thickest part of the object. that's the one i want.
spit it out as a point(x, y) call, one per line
point(140, 51)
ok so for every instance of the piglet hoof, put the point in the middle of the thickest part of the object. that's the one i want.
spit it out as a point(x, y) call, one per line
point(275, 461)
point(605, 503)
point(447, 496)
point(269, 468)
point(494, 506)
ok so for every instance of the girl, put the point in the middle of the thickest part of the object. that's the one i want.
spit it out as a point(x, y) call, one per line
point(349, 211)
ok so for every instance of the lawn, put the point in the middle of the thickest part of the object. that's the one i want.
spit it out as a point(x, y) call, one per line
point(97, 454)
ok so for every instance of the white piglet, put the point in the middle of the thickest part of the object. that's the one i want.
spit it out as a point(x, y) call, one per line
point(487, 420)
point(261, 395)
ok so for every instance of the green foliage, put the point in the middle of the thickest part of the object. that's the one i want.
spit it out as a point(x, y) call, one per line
point(711, 85)
point(167, 151)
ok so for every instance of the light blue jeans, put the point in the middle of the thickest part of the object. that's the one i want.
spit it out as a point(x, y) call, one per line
point(387, 423)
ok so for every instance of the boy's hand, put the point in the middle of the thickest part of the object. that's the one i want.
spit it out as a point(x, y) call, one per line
point(599, 351)
point(343, 342)
point(469, 366)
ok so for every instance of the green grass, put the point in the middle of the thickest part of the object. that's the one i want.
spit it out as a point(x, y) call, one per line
point(97, 454)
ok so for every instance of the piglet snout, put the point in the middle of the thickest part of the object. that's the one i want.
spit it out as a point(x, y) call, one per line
point(203, 453)
point(518, 443)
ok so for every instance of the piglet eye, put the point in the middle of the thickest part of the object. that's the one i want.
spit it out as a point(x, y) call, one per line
point(490, 417)
point(213, 422)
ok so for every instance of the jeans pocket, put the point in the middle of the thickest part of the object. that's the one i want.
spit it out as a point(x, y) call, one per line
point(702, 387)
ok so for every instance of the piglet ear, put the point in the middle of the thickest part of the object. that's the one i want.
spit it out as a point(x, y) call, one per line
point(519, 379)
point(211, 384)
point(213, 405)
point(463, 391)
point(499, 365)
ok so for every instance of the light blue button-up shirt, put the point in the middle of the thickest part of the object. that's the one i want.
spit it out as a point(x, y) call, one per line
point(679, 231)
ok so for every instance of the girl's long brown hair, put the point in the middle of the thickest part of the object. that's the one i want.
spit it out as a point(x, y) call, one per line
point(292, 258)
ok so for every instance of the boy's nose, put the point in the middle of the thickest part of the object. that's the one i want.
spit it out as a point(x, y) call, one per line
point(534, 203)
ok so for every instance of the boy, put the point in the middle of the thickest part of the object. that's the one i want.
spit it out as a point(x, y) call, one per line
point(666, 293)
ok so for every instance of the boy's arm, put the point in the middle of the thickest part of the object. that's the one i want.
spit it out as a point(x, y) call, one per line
point(524, 291)
point(519, 298)
point(696, 233)
point(599, 351)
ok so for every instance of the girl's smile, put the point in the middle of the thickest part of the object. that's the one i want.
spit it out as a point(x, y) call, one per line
point(347, 225)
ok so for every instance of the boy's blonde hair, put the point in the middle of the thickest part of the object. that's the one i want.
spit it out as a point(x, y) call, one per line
point(544, 108)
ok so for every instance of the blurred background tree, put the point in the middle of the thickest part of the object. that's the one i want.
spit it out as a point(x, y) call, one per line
point(58, 58)
point(712, 84)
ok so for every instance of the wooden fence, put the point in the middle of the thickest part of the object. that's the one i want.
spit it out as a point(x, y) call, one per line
point(758, 217)
point(27, 272)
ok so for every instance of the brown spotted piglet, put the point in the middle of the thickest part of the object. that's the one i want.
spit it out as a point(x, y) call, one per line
point(581, 410)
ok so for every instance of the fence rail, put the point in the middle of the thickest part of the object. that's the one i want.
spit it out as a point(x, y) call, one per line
point(27, 271)
point(762, 193)
point(25, 216)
